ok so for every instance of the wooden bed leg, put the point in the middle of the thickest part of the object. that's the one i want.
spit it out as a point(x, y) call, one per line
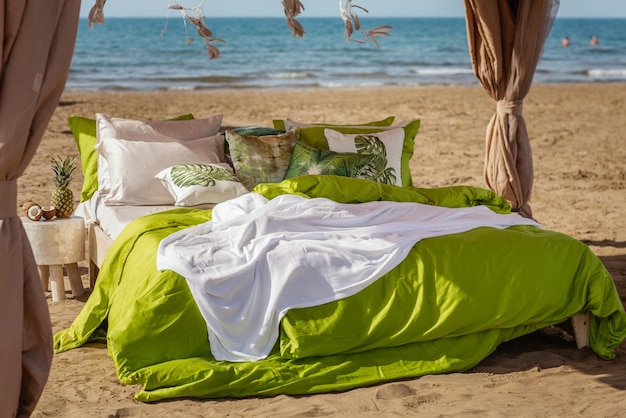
point(580, 323)
point(93, 274)
point(99, 244)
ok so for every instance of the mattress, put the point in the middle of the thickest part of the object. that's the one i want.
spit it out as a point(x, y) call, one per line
point(113, 219)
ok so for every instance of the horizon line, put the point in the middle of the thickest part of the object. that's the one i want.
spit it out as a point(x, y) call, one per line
point(331, 16)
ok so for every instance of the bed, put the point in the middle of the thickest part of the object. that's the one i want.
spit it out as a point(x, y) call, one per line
point(104, 224)
point(450, 301)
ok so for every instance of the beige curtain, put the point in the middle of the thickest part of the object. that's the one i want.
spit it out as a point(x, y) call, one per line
point(506, 39)
point(37, 44)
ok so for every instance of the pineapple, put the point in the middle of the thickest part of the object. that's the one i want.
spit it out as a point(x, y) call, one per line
point(62, 197)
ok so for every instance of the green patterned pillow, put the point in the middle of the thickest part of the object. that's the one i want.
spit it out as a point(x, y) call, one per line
point(306, 160)
point(315, 137)
point(386, 144)
point(260, 159)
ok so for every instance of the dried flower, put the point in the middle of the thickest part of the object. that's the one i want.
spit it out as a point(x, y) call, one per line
point(292, 8)
point(352, 23)
point(96, 14)
point(195, 16)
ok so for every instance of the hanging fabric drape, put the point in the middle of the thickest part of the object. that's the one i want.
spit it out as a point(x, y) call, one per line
point(506, 39)
point(38, 40)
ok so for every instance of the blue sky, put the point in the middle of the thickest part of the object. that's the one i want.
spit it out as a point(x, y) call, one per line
point(377, 8)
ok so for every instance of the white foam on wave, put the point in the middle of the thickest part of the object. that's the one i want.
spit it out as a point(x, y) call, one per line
point(181, 88)
point(335, 84)
point(442, 71)
point(607, 73)
point(289, 75)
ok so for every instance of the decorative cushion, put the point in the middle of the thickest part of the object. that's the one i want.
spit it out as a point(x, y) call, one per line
point(133, 166)
point(315, 138)
point(84, 132)
point(288, 124)
point(260, 159)
point(151, 131)
point(198, 184)
point(306, 160)
point(258, 131)
point(386, 144)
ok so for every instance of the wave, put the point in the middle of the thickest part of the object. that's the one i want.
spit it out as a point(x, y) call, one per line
point(442, 71)
point(337, 84)
point(365, 75)
point(290, 75)
point(606, 73)
point(215, 79)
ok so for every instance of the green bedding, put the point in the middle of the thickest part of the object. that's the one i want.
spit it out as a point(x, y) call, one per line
point(443, 309)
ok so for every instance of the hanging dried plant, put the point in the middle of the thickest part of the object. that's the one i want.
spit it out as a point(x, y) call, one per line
point(292, 9)
point(96, 14)
point(352, 23)
point(195, 16)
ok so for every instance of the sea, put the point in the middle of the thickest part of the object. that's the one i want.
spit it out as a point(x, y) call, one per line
point(147, 54)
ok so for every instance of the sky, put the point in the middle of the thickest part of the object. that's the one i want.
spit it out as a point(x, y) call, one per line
point(315, 8)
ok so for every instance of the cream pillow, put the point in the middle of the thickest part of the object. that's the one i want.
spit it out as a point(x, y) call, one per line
point(199, 184)
point(388, 144)
point(133, 166)
point(151, 131)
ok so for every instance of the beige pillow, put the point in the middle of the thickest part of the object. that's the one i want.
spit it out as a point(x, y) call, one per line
point(133, 166)
point(151, 131)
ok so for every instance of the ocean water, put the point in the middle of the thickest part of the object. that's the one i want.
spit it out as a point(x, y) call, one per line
point(153, 54)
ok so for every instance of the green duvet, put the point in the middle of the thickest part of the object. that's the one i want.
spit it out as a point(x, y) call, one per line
point(443, 309)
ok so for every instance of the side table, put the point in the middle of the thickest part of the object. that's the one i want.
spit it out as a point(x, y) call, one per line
point(55, 243)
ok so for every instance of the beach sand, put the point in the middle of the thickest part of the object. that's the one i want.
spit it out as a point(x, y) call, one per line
point(579, 145)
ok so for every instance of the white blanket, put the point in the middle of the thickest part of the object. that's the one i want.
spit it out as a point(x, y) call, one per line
point(257, 258)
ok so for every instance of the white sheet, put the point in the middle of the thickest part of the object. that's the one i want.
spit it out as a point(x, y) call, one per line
point(257, 258)
point(113, 219)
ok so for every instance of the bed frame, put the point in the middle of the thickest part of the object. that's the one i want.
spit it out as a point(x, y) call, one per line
point(100, 243)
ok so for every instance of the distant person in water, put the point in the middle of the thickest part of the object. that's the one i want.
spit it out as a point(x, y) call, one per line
point(594, 40)
point(565, 42)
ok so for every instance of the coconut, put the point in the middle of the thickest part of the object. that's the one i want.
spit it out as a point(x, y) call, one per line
point(49, 213)
point(33, 211)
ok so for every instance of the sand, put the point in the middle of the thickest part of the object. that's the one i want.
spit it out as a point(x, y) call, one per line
point(577, 135)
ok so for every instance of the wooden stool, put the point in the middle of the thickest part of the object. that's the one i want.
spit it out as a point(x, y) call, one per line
point(55, 243)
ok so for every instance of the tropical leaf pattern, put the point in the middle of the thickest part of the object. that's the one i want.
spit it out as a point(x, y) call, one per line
point(204, 175)
point(260, 159)
point(307, 160)
point(377, 170)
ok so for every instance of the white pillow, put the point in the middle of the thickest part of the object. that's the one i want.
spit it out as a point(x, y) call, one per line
point(391, 140)
point(150, 131)
point(133, 165)
point(199, 184)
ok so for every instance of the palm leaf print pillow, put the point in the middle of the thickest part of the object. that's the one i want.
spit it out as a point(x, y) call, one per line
point(306, 160)
point(200, 184)
point(386, 144)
